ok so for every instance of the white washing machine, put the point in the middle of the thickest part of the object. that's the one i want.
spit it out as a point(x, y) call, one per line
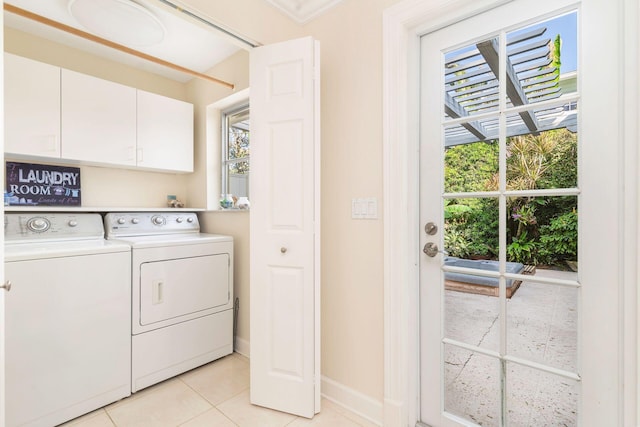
point(67, 317)
point(182, 293)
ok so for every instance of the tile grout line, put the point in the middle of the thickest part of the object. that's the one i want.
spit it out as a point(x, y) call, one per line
point(211, 404)
point(109, 416)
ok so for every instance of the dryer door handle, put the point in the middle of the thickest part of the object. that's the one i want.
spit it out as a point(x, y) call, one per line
point(157, 292)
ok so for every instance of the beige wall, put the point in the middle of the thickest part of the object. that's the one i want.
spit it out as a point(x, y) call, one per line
point(115, 187)
point(259, 22)
point(202, 94)
point(43, 50)
point(352, 277)
point(352, 250)
point(103, 186)
point(236, 224)
point(350, 35)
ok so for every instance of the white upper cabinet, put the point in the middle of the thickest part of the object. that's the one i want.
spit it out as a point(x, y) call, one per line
point(98, 120)
point(51, 112)
point(165, 133)
point(32, 107)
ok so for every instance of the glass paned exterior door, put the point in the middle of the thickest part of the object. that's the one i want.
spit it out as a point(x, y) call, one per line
point(501, 293)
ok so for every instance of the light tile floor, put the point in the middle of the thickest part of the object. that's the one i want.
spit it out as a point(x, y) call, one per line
point(214, 395)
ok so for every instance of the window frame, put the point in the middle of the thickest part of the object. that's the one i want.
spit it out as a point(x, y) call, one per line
point(224, 144)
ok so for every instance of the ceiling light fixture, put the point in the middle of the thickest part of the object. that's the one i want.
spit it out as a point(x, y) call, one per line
point(122, 21)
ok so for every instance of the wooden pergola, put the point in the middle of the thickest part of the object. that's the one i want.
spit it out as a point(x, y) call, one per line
point(471, 89)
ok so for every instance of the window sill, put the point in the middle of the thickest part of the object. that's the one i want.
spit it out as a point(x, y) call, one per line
point(229, 210)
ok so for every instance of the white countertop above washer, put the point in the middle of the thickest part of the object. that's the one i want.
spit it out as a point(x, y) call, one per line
point(58, 249)
point(95, 209)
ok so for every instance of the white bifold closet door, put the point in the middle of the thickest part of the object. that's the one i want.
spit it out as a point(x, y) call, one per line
point(285, 297)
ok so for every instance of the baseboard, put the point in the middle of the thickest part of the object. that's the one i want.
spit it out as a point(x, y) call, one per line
point(394, 414)
point(241, 346)
point(354, 401)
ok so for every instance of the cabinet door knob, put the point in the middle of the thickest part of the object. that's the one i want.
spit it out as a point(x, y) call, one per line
point(6, 285)
point(283, 250)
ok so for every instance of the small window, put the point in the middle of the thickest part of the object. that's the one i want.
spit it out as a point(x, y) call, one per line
point(235, 151)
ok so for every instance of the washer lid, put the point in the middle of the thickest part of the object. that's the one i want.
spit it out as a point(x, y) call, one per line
point(179, 239)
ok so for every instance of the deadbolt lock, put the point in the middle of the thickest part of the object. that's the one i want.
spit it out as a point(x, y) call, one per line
point(430, 228)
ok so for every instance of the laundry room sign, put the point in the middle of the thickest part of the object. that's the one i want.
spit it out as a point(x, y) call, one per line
point(41, 185)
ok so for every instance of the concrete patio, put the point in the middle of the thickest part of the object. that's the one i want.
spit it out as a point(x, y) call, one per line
point(541, 327)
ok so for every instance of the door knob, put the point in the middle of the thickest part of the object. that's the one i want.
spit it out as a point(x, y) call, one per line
point(431, 249)
point(6, 285)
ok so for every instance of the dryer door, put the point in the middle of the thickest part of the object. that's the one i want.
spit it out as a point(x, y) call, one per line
point(176, 290)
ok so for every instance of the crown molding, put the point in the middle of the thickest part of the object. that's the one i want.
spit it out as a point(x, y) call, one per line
point(303, 11)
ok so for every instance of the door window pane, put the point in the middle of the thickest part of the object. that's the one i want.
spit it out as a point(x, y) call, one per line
point(543, 231)
point(546, 159)
point(543, 60)
point(471, 167)
point(471, 85)
point(472, 310)
point(542, 322)
point(471, 228)
point(467, 374)
point(537, 398)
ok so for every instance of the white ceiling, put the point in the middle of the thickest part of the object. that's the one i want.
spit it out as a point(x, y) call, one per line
point(188, 42)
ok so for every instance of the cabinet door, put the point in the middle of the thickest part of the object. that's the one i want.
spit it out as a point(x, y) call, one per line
point(165, 133)
point(32, 107)
point(98, 120)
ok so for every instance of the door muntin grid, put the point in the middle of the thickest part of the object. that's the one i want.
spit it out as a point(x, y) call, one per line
point(504, 124)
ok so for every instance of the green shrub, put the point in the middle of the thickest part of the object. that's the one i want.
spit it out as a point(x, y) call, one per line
point(523, 249)
point(483, 229)
point(468, 167)
point(455, 241)
point(559, 239)
point(538, 229)
point(455, 229)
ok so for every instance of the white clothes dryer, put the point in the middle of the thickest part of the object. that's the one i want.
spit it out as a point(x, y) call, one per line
point(67, 314)
point(182, 293)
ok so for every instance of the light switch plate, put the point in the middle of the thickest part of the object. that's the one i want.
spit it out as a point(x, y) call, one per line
point(364, 208)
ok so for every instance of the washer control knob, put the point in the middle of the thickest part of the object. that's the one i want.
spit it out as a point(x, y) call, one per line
point(38, 224)
point(189, 220)
point(179, 220)
point(158, 220)
point(135, 220)
point(121, 220)
point(73, 223)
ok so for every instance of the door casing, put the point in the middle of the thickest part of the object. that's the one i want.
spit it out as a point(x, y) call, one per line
point(403, 24)
point(2, 278)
